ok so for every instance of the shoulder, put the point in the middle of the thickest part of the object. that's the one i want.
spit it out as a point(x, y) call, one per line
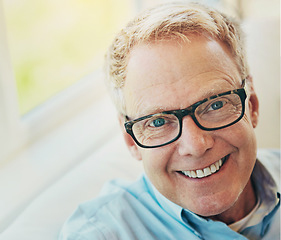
point(102, 218)
point(264, 154)
point(97, 231)
point(270, 159)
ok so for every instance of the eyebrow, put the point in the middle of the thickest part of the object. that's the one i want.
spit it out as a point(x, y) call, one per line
point(151, 111)
point(209, 93)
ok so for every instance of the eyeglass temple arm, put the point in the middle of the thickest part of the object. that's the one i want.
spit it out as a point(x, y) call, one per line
point(245, 86)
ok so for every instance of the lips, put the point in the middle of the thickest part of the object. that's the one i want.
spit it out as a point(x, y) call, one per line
point(201, 173)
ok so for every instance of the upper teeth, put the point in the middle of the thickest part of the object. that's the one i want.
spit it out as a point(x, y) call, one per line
point(200, 173)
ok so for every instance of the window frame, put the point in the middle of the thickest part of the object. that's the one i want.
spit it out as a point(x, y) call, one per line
point(18, 132)
point(9, 120)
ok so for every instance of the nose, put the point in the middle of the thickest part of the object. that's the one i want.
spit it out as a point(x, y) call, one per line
point(194, 141)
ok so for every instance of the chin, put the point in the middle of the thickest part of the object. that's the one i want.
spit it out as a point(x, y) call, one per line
point(210, 207)
point(211, 212)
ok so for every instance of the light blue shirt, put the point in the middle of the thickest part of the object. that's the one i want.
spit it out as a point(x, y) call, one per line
point(138, 211)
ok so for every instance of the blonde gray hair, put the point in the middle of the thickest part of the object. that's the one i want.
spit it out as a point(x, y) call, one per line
point(172, 21)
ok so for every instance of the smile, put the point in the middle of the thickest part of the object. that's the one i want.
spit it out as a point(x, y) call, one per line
point(201, 173)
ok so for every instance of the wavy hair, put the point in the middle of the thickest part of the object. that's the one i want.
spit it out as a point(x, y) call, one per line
point(172, 21)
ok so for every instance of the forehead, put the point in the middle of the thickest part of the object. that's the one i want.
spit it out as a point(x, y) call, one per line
point(171, 75)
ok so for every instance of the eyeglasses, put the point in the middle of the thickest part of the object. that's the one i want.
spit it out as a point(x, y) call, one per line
point(212, 113)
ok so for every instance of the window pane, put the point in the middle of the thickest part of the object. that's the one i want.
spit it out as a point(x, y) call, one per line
point(55, 43)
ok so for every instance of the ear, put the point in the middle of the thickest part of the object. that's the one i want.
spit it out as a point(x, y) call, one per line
point(253, 102)
point(132, 146)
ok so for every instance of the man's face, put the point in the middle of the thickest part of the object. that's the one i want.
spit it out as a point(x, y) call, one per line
point(168, 76)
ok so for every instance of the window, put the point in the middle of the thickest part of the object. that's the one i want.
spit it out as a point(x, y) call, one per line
point(55, 43)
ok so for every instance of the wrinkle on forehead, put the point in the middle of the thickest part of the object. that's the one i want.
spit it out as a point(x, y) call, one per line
point(160, 80)
point(153, 98)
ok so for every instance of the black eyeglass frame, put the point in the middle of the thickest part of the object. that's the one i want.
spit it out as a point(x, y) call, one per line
point(181, 113)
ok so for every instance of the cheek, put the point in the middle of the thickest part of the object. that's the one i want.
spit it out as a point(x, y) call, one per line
point(242, 137)
point(153, 160)
point(241, 134)
point(156, 162)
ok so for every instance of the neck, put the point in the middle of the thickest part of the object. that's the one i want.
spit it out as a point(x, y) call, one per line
point(241, 208)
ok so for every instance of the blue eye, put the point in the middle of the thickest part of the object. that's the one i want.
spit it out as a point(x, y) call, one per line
point(217, 105)
point(159, 122)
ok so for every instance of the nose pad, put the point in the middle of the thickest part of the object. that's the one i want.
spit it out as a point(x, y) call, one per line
point(194, 141)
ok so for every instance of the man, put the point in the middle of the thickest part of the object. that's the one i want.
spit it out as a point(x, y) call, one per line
point(179, 78)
